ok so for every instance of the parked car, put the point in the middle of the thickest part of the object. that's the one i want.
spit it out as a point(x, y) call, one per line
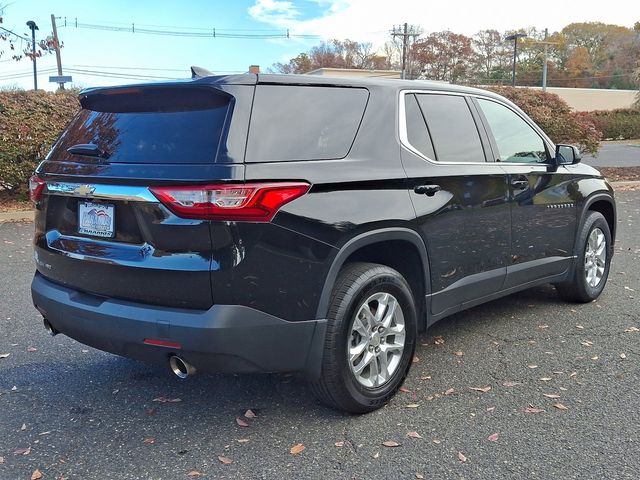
point(298, 223)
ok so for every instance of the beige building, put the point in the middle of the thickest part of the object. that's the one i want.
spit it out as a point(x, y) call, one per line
point(579, 99)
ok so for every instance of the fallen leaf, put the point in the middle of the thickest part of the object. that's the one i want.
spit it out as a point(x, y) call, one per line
point(493, 437)
point(242, 440)
point(415, 359)
point(390, 443)
point(414, 435)
point(419, 476)
point(551, 395)
point(490, 409)
point(629, 288)
point(511, 384)
point(115, 392)
point(23, 427)
point(579, 327)
point(439, 340)
point(595, 358)
point(573, 310)
point(461, 457)
point(249, 414)
point(22, 451)
point(542, 327)
point(4, 355)
point(296, 449)
point(1, 460)
point(339, 444)
point(167, 400)
point(628, 330)
point(241, 422)
point(194, 473)
point(413, 405)
point(426, 377)
point(376, 455)
point(480, 389)
point(573, 374)
point(32, 349)
point(623, 356)
point(36, 475)
point(533, 410)
point(225, 460)
point(532, 366)
point(404, 389)
point(45, 433)
point(587, 343)
point(546, 379)
point(449, 391)
point(149, 440)
point(458, 354)
point(151, 411)
point(560, 406)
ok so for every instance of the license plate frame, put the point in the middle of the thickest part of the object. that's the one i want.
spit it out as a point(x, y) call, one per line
point(96, 219)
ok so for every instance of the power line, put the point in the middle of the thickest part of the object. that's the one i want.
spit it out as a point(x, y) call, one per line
point(26, 39)
point(194, 32)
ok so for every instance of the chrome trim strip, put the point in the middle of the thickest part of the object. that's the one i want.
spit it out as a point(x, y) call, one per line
point(99, 191)
point(404, 140)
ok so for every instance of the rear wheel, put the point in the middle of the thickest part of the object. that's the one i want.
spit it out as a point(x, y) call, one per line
point(370, 338)
point(592, 263)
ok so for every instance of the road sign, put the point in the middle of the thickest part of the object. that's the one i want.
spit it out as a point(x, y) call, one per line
point(60, 79)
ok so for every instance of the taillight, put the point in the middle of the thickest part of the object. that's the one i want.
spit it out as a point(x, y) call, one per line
point(36, 186)
point(250, 202)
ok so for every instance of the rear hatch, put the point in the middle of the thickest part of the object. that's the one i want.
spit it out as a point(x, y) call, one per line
point(99, 228)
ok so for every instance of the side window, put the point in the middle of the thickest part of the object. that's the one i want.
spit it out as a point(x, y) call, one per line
point(516, 140)
point(417, 132)
point(291, 123)
point(453, 130)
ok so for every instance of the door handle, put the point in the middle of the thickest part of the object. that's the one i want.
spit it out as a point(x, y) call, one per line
point(428, 190)
point(520, 184)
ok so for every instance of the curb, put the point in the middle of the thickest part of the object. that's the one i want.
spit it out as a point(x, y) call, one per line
point(25, 215)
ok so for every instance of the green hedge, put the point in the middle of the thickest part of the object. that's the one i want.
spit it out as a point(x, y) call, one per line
point(30, 122)
point(618, 124)
point(555, 117)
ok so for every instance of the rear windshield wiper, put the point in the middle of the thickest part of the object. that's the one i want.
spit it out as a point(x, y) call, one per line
point(88, 150)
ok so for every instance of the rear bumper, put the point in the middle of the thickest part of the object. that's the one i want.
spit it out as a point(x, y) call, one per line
point(224, 338)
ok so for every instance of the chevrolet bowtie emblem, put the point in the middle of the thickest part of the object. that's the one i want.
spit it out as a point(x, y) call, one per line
point(84, 190)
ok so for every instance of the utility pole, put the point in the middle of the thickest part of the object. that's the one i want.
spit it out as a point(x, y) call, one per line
point(515, 38)
point(32, 25)
point(405, 32)
point(56, 44)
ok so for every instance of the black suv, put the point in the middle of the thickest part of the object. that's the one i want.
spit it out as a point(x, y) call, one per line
point(301, 223)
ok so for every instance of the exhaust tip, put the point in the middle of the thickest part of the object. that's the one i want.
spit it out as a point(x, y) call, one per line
point(180, 367)
point(49, 328)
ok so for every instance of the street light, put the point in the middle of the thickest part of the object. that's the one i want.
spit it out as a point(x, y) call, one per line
point(32, 25)
point(515, 38)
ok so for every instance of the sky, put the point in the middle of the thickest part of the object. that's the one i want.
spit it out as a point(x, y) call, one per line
point(104, 57)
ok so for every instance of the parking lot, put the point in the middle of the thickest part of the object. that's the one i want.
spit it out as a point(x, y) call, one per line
point(524, 387)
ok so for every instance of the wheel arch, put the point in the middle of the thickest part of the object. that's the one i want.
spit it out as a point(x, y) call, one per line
point(376, 246)
point(605, 204)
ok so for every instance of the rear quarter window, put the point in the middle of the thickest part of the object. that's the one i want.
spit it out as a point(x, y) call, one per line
point(304, 122)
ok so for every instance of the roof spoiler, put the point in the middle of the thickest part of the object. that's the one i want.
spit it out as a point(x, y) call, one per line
point(199, 72)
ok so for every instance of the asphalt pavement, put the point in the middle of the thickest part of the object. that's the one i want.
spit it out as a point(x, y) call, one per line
point(615, 154)
point(523, 387)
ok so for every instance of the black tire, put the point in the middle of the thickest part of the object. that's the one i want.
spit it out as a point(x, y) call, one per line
point(576, 288)
point(337, 386)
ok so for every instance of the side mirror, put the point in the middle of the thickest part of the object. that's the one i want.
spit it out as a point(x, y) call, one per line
point(567, 154)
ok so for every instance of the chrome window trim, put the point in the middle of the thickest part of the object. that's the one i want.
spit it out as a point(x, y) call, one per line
point(100, 191)
point(404, 140)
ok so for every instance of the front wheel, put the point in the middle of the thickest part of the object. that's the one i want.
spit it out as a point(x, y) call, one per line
point(592, 263)
point(370, 340)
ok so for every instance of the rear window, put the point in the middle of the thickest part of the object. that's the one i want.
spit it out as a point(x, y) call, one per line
point(304, 122)
point(142, 128)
